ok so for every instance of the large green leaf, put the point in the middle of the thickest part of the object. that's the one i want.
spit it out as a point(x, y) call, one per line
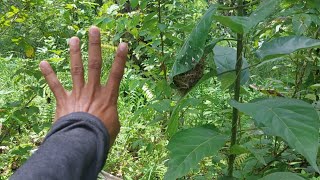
point(191, 52)
point(243, 25)
point(173, 124)
point(237, 24)
point(313, 4)
point(295, 121)
point(282, 176)
point(301, 23)
point(265, 9)
point(189, 146)
point(225, 59)
point(285, 45)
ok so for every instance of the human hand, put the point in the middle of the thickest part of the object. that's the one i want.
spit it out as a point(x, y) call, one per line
point(91, 97)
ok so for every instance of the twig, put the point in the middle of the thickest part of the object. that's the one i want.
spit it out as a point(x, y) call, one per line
point(273, 160)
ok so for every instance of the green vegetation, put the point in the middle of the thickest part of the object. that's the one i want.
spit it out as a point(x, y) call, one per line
point(213, 89)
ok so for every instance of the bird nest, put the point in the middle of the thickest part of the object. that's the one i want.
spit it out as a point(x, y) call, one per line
point(185, 81)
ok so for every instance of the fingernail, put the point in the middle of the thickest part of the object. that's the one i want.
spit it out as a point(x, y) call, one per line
point(43, 64)
point(73, 41)
point(123, 47)
point(94, 30)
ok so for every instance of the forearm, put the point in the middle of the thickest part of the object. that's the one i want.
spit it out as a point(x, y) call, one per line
point(75, 148)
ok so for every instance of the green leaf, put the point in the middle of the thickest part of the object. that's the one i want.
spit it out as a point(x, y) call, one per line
point(32, 110)
point(173, 124)
point(102, 21)
point(162, 27)
point(301, 23)
point(314, 86)
point(237, 24)
point(227, 80)
point(22, 150)
point(15, 9)
point(144, 4)
point(225, 59)
point(295, 121)
point(5, 92)
point(238, 149)
point(243, 25)
point(20, 20)
point(175, 115)
point(285, 45)
point(161, 106)
point(282, 176)
point(210, 46)
point(192, 51)
point(189, 146)
point(313, 4)
point(265, 9)
point(71, 6)
point(134, 3)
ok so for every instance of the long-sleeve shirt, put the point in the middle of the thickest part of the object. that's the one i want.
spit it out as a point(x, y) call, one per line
point(76, 147)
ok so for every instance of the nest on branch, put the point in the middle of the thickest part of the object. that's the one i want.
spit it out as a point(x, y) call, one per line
point(185, 81)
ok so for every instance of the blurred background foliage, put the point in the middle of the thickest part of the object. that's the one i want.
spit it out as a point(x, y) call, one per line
point(35, 30)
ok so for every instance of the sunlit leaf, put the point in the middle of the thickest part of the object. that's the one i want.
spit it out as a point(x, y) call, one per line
point(5, 92)
point(70, 6)
point(295, 121)
point(189, 146)
point(29, 50)
point(315, 86)
point(20, 20)
point(10, 14)
point(15, 10)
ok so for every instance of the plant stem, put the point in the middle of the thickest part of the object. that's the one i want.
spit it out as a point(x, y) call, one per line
point(163, 65)
point(235, 114)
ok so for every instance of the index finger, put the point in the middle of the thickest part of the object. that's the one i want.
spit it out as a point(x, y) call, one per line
point(52, 80)
point(117, 71)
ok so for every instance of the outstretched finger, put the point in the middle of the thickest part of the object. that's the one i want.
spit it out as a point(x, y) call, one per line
point(94, 66)
point(52, 80)
point(117, 71)
point(76, 63)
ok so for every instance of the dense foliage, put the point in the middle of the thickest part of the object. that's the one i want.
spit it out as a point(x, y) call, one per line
point(212, 89)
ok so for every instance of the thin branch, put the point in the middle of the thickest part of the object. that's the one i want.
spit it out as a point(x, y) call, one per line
point(273, 160)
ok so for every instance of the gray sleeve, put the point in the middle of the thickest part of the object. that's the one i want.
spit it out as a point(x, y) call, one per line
point(75, 148)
